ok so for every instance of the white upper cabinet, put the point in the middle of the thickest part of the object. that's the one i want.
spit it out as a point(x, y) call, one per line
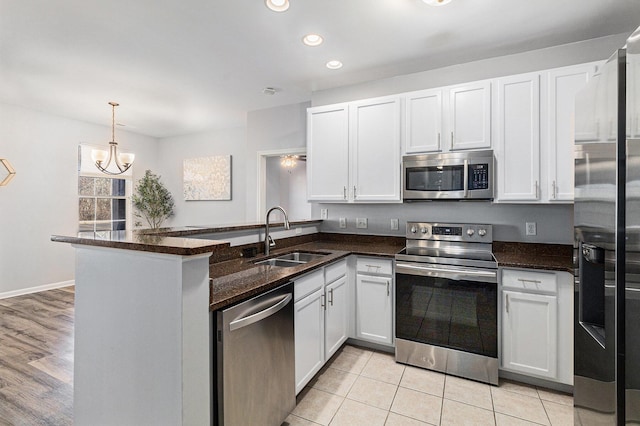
point(354, 151)
point(470, 116)
point(423, 121)
point(564, 84)
point(375, 141)
point(518, 137)
point(536, 126)
point(328, 152)
point(448, 119)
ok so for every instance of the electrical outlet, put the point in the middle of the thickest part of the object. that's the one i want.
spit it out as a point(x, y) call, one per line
point(324, 213)
point(343, 222)
point(361, 222)
point(298, 231)
point(394, 224)
point(531, 228)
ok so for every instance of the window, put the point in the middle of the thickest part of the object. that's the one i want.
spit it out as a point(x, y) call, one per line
point(103, 203)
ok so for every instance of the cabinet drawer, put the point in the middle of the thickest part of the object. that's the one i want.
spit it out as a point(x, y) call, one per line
point(529, 280)
point(335, 271)
point(374, 265)
point(307, 284)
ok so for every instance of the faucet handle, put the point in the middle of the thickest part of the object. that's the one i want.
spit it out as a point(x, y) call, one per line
point(271, 242)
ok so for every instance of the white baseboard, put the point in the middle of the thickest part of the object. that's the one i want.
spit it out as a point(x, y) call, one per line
point(37, 289)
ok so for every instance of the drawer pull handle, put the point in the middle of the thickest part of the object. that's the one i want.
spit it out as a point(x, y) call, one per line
point(374, 266)
point(530, 281)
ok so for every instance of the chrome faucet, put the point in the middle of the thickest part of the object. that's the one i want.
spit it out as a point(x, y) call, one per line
point(268, 241)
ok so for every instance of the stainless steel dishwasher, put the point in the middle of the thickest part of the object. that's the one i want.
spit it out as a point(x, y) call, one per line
point(255, 360)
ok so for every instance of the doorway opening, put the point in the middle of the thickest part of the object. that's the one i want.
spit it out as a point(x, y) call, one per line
point(283, 183)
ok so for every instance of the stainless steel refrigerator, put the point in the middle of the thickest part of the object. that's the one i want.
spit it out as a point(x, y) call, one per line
point(607, 243)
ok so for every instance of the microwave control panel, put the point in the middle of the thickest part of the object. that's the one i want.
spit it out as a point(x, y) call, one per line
point(478, 176)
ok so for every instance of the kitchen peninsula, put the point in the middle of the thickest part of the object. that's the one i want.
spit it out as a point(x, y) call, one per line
point(143, 303)
point(142, 348)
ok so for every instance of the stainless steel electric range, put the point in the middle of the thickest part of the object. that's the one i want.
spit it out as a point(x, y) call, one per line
point(447, 300)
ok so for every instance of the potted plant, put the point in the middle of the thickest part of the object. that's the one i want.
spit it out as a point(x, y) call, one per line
point(152, 201)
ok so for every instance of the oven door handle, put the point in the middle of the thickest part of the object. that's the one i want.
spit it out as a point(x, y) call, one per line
point(452, 274)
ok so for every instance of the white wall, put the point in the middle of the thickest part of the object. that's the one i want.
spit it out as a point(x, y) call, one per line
point(271, 129)
point(173, 151)
point(42, 199)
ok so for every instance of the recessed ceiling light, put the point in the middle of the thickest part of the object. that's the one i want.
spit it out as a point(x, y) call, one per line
point(312, 40)
point(436, 2)
point(277, 5)
point(334, 64)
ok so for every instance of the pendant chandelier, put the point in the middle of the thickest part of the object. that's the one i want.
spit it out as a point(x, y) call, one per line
point(103, 159)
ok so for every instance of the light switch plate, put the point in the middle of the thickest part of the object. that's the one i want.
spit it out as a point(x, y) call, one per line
point(324, 213)
point(343, 222)
point(394, 224)
point(361, 222)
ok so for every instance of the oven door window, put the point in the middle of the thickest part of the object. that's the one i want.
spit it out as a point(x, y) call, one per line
point(440, 178)
point(459, 315)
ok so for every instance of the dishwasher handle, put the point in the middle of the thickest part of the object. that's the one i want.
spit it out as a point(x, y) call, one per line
point(258, 316)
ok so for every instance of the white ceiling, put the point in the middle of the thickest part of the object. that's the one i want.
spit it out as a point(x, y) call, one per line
point(179, 67)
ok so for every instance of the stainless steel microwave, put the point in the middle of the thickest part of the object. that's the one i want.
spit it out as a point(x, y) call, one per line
point(448, 176)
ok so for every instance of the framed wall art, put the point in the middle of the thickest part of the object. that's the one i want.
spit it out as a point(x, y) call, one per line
point(207, 178)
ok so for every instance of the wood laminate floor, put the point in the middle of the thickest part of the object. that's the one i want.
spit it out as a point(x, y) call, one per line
point(36, 358)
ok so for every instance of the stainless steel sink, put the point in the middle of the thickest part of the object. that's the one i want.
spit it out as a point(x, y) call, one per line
point(301, 256)
point(291, 259)
point(279, 262)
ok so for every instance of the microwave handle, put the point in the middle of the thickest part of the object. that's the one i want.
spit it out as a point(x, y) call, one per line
point(466, 178)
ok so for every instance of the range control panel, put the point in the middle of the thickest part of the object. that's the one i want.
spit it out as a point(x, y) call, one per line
point(450, 232)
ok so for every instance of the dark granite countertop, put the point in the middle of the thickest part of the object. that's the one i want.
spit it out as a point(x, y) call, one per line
point(132, 240)
point(237, 279)
point(551, 257)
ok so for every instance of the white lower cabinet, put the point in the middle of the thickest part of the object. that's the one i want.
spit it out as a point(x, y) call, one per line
point(336, 316)
point(374, 300)
point(529, 326)
point(309, 337)
point(320, 319)
point(537, 324)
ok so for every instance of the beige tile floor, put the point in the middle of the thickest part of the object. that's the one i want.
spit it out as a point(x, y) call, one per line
point(364, 387)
